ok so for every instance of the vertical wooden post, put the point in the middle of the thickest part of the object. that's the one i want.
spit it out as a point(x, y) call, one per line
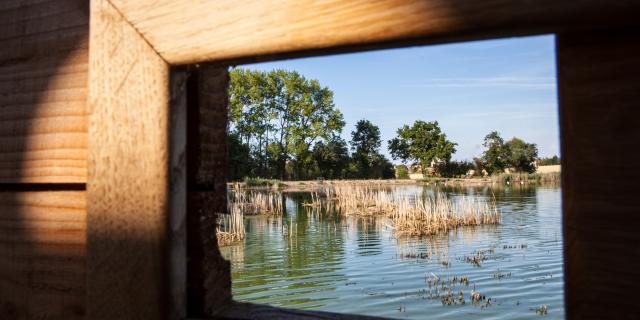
point(209, 277)
point(599, 88)
point(128, 201)
point(178, 195)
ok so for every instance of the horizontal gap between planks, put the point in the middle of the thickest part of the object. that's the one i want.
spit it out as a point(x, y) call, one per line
point(21, 187)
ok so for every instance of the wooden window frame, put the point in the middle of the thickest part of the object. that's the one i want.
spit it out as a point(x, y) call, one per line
point(138, 141)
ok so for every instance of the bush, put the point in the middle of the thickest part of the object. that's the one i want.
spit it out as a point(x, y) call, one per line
point(402, 172)
point(505, 178)
point(548, 161)
point(454, 169)
point(260, 182)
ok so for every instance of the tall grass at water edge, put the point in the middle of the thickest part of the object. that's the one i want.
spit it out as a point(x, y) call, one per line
point(408, 214)
point(230, 227)
point(523, 177)
point(240, 203)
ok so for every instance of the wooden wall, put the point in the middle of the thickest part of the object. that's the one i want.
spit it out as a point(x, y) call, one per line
point(93, 178)
point(598, 77)
point(128, 187)
point(43, 141)
point(43, 81)
point(115, 161)
point(209, 275)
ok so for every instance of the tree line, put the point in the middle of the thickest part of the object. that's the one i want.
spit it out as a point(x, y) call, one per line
point(285, 126)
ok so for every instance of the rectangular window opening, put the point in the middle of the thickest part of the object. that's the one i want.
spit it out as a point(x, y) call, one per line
point(398, 183)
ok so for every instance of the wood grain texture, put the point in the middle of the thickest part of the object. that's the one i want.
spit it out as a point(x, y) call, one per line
point(209, 275)
point(42, 245)
point(599, 74)
point(128, 181)
point(194, 31)
point(43, 91)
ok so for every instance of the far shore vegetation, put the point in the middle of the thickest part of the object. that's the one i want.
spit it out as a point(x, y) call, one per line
point(285, 127)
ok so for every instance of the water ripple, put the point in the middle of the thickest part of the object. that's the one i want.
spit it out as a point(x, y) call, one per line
point(351, 266)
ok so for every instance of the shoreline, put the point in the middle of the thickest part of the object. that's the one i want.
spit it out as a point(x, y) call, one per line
point(499, 180)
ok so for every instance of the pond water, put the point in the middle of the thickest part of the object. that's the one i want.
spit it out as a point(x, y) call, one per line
point(329, 262)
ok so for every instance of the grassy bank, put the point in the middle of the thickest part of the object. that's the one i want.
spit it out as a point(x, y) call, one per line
point(310, 185)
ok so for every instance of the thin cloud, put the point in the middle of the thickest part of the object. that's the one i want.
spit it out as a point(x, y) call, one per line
point(505, 115)
point(489, 82)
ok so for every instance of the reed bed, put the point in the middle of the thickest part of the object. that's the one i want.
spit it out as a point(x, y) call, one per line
point(361, 200)
point(240, 203)
point(316, 200)
point(255, 203)
point(405, 214)
point(415, 216)
point(230, 227)
point(526, 178)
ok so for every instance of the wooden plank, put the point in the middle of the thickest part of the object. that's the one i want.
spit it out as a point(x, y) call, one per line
point(207, 139)
point(194, 31)
point(209, 275)
point(240, 310)
point(600, 135)
point(12, 12)
point(42, 244)
point(8, 5)
point(43, 92)
point(178, 195)
point(128, 182)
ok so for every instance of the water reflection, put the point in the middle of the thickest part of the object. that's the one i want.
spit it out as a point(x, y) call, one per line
point(312, 259)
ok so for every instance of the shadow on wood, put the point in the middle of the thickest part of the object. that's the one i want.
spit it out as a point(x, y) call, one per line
point(43, 140)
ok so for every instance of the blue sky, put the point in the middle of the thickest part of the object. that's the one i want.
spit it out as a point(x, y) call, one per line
point(471, 88)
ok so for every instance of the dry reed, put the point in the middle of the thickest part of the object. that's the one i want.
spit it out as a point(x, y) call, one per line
point(230, 227)
point(413, 215)
point(254, 203)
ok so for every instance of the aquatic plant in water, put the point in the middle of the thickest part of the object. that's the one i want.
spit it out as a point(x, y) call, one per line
point(413, 215)
point(230, 227)
point(239, 203)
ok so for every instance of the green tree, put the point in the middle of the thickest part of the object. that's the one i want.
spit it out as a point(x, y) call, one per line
point(496, 154)
point(250, 117)
point(365, 143)
point(515, 153)
point(522, 155)
point(381, 168)
point(365, 138)
point(332, 158)
point(280, 114)
point(402, 172)
point(310, 115)
point(423, 142)
point(454, 168)
point(238, 158)
point(555, 160)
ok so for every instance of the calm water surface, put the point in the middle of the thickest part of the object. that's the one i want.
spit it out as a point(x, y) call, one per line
point(353, 265)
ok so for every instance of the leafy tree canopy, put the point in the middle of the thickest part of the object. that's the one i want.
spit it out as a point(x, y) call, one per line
point(332, 158)
point(422, 143)
point(515, 153)
point(402, 172)
point(281, 111)
point(522, 155)
point(365, 139)
point(496, 155)
point(367, 162)
point(555, 160)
